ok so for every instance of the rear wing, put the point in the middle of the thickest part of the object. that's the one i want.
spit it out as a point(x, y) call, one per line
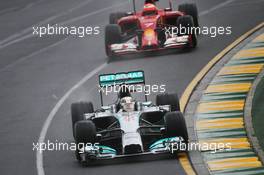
point(128, 78)
point(146, 1)
point(121, 78)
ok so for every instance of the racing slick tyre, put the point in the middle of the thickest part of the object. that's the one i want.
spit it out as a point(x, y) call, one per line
point(186, 23)
point(175, 125)
point(113, 35)
point(190, 9)
point(78, 110)
point(85, 132)
point(114, 17)
point(168, 99)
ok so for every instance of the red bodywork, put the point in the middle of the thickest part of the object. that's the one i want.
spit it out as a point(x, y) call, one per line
point(149, 30)
point(148, 25)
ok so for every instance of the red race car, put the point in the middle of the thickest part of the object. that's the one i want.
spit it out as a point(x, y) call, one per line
point(151, 29)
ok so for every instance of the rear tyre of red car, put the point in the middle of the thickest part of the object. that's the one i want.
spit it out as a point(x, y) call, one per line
point(113, 35)
point(114, 17)
point(168, 99)
point(175, 125)
point(186, 27)
point(190, 9)
point(78, 110)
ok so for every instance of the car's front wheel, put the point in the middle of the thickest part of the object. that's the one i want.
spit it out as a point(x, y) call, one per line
point(175, 125)
point(190, 9)
point(78, 110)
point(113, 35)
point(186, 27)
point(85, 133)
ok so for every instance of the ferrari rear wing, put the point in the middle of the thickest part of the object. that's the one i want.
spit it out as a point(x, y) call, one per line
point(121, 78)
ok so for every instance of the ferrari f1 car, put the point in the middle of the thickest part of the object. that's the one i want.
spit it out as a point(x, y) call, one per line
point(151, 29)
point(127, 127)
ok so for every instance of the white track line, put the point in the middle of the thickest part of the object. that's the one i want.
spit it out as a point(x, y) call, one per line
point(39, 155)
point(56, 43)
point(27, 33)
point(30, 5)
point(11, 65)
point(92, 13)
point(216, 7)
point(4, 11)
point(10, 40)
point(19, 36)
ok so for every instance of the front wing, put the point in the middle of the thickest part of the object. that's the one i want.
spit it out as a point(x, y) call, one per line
point(100, 152)
point(130, 47)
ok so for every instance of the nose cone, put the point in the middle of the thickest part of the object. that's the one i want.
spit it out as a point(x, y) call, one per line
point(149, 34)
point(132, 149)
point(132, 143)
point(149, 38)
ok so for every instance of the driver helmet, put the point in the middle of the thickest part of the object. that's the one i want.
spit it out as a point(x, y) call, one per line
point(150, 1)
point(149, 9)
point(127, 104)
point(123, 92)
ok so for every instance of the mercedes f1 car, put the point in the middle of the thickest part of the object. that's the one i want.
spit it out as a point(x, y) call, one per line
point(151, 29)
point(127, 127)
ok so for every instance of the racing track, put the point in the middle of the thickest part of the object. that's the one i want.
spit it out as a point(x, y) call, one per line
point(32, 85)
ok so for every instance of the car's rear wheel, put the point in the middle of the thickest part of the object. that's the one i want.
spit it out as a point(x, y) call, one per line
point(114, 17)
point(190, 9)
point(113, 35)
point(175, 125)
point(168, 99)
point(85, 132)
point(78, 110)
point(186, 27)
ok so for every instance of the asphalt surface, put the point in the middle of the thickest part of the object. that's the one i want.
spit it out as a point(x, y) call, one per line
point(35, 73)
point(258, 112)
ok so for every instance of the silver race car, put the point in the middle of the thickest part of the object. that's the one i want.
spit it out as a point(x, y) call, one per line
point(127, 127)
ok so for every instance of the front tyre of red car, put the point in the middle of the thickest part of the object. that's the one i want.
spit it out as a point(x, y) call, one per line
point(113, 35)
point(190, 9)
point(193, 42)
point(186, 27)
